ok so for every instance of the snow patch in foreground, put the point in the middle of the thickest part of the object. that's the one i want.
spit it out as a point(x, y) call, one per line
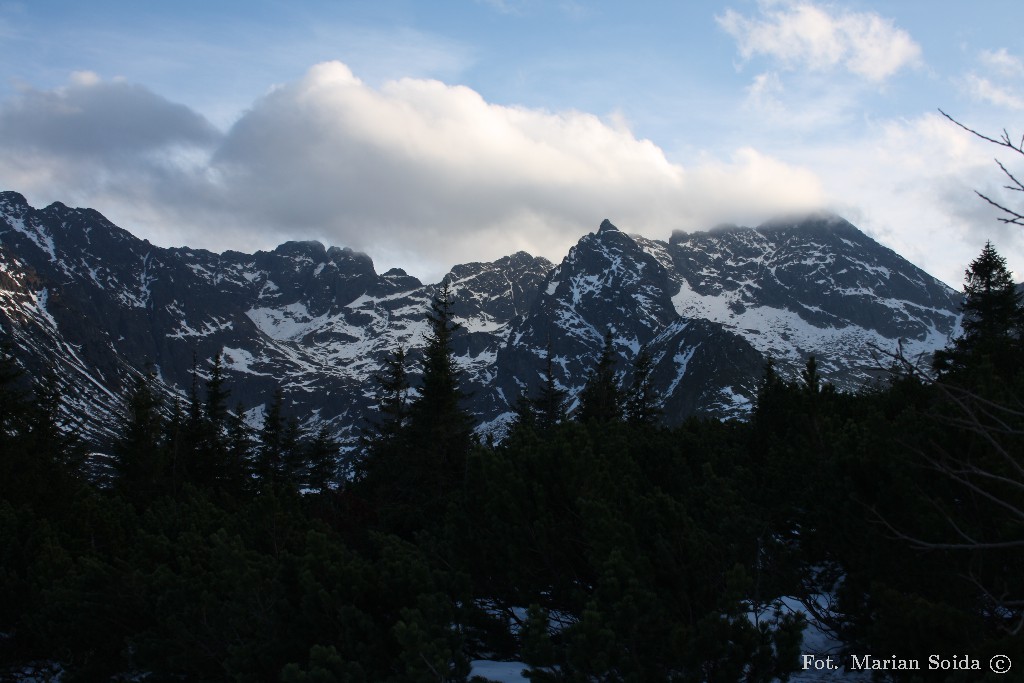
point(498, 672)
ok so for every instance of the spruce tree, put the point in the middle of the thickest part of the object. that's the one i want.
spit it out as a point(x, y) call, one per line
point(439, 425)
point(993, 317)
point(52, 436)
point(140, 453)
point(291, 451)
point(321, 460)
point(992, 304)
point(416, 476)
point(175, 436)
point(239, 447)
point(214, 466)
point(13, 399)
point(643, 407)
point(525, 413)
point(20, 467)
point(550, 403)
point(810, 377)
point(217, 396)
point(195, 407)
point(601, 399)
point(393, 404)
point(270, 466)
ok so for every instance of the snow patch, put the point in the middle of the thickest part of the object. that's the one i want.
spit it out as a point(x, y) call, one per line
point(286, 323)
point(682, 360)
point(498, 672)
point(36, 234)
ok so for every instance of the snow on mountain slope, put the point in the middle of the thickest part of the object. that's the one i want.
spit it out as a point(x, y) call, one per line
point(816, 286)
point(93, 305)
point(318, 322)
point(608, 281)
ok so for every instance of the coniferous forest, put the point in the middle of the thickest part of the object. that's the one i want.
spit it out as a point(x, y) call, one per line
point(596, 546)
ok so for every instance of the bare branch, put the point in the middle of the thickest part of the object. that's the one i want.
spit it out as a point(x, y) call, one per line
point(1003, 142)
point(1017, 186)
point(1014, 219)
point(922, 544)
point(1011, 217)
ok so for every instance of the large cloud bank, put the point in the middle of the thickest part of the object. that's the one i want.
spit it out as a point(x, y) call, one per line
point(417, 173)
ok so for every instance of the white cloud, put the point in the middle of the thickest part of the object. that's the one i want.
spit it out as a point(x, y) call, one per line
point(911, 185)
point(764, 92)
point(802, 35)
point(985, 90)
point(84, 78)
point(1002, 62)
point(415, 169)
point(423, 175)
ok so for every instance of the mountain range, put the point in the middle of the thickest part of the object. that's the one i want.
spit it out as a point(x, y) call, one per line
point(91, 307)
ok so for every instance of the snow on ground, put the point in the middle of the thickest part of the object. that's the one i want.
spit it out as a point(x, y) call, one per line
point(817, 643)
point(498, 672)
point(240, 360)
point(285, 323)
point(37, 233)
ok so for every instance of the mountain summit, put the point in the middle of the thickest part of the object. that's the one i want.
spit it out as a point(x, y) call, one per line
point(95, 307)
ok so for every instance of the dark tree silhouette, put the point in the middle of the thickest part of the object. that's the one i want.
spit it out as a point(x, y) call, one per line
point(601, 399)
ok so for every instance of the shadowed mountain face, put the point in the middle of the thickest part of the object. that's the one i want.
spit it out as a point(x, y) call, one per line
point(93, 307)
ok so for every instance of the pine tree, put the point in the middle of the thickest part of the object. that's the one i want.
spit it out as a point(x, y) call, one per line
point(526, 413)
point(195, 407)
point(992, 304)
point(177, 444)
point(393, 404)
point(545, 410)
point(291, 451)
point(270, 465)
point(52, 437)
point(810, 377)
point(239, 445)
point(140, 453)
point(13, 399)
point(321, 460)
point(439, 426)
point(20, 467)
point(217, 396)
point(993, 317)
point(550, 403)
point(214, 466)
point(413, 477)
point(601, 399)
point(643, 407)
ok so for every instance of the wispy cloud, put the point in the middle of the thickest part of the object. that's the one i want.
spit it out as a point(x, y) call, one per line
point(803, 35)
point(1000, 83)
point(1002, 62)
point(985, 90)
point(573, 9)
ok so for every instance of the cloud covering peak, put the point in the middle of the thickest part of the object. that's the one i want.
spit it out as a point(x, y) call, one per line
point(416, 172)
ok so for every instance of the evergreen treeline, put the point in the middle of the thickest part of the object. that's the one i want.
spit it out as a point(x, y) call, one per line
point(592, 546)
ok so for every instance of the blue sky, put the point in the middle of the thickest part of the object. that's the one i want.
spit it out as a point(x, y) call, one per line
point(428, 134)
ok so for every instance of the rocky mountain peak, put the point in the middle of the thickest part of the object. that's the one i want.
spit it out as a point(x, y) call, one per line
point(12, 202)
point(96, 306)
point(311, 249)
